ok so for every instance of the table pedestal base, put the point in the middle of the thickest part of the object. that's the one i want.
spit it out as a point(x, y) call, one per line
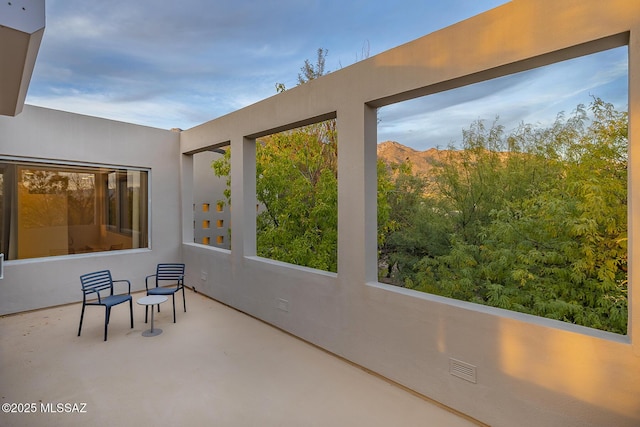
point(152, 333)
point(149, 302)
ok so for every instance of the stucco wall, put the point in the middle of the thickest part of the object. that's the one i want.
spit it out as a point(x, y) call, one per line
point(530, 371)
point(44, 134)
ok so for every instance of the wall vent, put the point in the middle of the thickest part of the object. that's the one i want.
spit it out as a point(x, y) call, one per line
point(462, 370)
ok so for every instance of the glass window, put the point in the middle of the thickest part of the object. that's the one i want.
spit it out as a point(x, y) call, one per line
point(49, 210)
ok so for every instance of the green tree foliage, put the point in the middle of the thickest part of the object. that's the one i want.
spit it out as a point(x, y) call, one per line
point(534, 221)
point(411, 226)
point(222, 168)
point(309, 71)
point(312, 71)
point(296, 186)
point(297, 190)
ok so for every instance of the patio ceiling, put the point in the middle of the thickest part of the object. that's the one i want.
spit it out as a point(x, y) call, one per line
point(21, 29)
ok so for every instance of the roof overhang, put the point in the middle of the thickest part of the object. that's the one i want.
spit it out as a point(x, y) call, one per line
point(22, 25)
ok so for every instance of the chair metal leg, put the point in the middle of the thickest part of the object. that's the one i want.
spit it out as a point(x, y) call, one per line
point(81, 318)
point(106, 321)
point(131, 311)
point(184, 300)
point(173, 296)
point(146, 313)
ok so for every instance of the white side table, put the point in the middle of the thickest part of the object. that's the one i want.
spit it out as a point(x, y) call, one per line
point(151, 300)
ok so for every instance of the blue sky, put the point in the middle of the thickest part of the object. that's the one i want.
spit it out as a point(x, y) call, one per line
point(178, 64)
point(533, 97)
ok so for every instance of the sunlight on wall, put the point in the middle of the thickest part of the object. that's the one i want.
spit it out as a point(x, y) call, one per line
point(580, 370)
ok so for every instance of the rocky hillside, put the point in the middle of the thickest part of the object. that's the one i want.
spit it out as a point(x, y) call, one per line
point(422, 161)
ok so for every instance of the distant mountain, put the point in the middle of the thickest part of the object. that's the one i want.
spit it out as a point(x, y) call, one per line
point(422, 161)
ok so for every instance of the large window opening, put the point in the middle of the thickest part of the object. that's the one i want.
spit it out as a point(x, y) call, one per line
point(297, 194)
point(212, 197)
point(50, 210)
point(525, 209)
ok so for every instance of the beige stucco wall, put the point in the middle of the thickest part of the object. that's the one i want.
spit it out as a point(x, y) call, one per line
point(530, 371)
point(43, 134)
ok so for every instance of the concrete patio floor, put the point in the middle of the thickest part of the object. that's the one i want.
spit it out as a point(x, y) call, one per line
point(214, 367)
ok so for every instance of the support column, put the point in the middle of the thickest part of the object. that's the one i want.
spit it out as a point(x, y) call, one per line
point(357, 194)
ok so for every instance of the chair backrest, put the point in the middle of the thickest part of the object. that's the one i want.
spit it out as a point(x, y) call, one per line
point(96, 282)
point(170, 272)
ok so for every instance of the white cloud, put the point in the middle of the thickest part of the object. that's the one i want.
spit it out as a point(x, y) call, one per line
point(535, 97)
point(209, 57)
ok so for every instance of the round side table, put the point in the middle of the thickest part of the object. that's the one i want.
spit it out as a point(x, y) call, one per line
point(151, 300)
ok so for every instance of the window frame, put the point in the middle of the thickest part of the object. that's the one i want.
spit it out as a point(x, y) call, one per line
point(101, 213)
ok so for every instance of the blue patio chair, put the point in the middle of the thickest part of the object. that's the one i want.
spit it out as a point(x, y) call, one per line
point(100, 283)
point(169, 279)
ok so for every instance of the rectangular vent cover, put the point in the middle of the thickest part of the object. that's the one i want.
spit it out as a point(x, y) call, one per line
point(462, 370)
